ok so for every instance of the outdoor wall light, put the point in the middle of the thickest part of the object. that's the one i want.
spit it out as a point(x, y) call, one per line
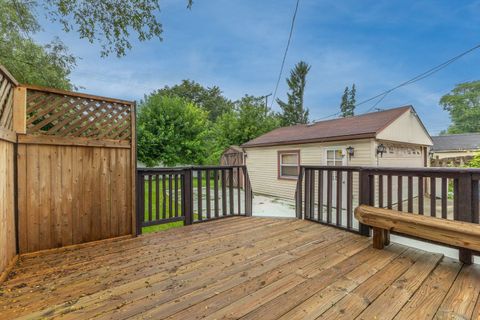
point(350, 152)
point(431, 153)
point(381, 149)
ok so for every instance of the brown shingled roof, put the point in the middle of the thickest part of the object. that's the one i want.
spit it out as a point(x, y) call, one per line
point(357, 127)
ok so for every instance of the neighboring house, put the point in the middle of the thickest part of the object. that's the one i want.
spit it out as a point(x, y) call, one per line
point(456, 145)
point(273, 159)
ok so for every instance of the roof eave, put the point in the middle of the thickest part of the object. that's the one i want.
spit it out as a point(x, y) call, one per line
point(315, 140)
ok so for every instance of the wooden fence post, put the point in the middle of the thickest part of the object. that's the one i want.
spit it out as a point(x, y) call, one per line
point(133, 164)
point(188, 196)
point(465, 209)
point(20, 110)
point(366, 196)
point(140, 205)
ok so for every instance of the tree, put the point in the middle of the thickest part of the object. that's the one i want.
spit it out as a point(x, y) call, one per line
point(347, 105)
point(344, 103)
point(171, 131)
point(109, 23)
point(49, 65)
point(463, 104)
point(352, 100)
point(249, 119)
point(254, 119)
point(210, 99)
point(475, 162)
point(293, 111)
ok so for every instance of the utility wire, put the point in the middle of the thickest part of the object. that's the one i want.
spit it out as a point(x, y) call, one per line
point(285, 54)
point(417, 78)
point(421, 76)
point(376, 103)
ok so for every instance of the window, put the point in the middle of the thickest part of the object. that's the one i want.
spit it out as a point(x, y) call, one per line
point(334, 157)
point(288, 164)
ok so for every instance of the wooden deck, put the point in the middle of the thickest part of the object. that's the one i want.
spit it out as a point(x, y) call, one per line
point(250, 268)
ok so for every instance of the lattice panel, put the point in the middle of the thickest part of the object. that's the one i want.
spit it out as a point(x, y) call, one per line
point(77, 116)
point(6, 102)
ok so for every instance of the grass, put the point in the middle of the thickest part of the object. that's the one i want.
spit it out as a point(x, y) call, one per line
point(170, 225)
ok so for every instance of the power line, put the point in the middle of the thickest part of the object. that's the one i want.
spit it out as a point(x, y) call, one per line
point(417, 78)
point(378, 101)
point(422, 76)
point(285, 54)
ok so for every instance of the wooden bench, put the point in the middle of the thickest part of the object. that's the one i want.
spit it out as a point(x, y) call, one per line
point(454, 233)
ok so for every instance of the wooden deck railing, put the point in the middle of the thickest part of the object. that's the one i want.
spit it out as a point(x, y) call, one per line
point(192, 194)
point(328, 194)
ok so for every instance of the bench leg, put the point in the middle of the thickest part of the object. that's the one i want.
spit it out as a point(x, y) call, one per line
point(386, 237)
point(378, 238)
point(465, 256)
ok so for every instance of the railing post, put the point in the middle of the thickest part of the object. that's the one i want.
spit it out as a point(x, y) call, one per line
point(465, 210)
point(188, 196)
point(307, 175)
point(366, 196)
point(248, 193)
point(299, 195)
point(140, 203)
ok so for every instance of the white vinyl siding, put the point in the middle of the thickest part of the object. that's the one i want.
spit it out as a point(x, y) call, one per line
point(262, 163)
point(408, 129)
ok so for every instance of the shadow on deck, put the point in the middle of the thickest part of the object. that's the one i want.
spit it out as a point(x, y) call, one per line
point(251, 268)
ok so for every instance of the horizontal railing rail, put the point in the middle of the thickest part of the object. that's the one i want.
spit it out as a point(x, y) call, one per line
point(191, 194)
point(328, 194)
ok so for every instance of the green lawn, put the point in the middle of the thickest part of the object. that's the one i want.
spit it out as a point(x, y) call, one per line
point(169, 214)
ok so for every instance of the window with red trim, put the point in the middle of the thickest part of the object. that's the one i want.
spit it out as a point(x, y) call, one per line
point(288, 164)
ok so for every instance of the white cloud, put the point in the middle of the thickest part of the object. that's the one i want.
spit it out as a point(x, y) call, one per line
point(238, 45)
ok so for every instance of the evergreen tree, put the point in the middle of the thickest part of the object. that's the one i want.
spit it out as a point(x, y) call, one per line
point(347, 105)
point(345, 102)
point(352, 101)
point(293, 110)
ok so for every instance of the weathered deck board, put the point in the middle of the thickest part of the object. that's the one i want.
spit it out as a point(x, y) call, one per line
point(247, 268)
point(429, 296)
point(463, 295)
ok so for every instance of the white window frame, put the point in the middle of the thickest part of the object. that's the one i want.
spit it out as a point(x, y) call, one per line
point(282, 153)
point(342, 149)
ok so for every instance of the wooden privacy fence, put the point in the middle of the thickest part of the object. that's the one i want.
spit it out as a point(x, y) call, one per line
point(7, 172)
point(67, 168)
point(329, 194)
point(191, 195)
point(76, 166)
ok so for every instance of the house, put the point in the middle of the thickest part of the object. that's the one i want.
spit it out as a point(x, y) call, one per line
point(455, 145)
point(391, 138)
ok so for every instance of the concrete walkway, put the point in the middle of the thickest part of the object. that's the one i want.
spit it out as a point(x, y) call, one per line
point(266, 206)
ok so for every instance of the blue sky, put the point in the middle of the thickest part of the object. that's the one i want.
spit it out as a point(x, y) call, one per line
point(238, 45)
